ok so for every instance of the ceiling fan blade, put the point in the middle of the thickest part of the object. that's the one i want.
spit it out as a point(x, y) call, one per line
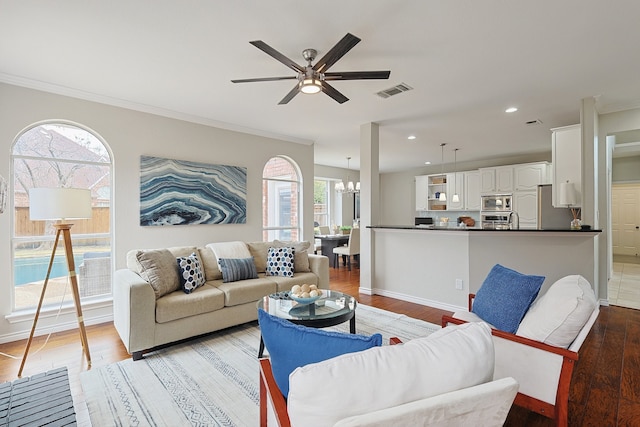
point(277, 55)
point(264, 79)
point(336, 52)
point(332, 92)
point(357, 75)
point(288, 97)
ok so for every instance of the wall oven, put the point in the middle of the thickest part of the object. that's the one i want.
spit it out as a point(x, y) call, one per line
point(495, 211)
point(496, 202)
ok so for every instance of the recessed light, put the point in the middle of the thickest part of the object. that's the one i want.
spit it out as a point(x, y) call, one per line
point(427, 163)
point(411, 137)
point(511, 110)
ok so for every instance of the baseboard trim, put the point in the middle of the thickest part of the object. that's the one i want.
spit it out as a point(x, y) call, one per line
point(413, 299)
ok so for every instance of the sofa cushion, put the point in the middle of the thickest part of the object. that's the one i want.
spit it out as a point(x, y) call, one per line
point(159, 268)
point(235, 269)
point(453, 358)
point(235, 249)
point(209, 264)
point(560, 313)
point(505, 296)
point(280, 262)
point(301, 253)
point(286, 283)
point(178, 305)
point(245, 291)
point(190, 273)
point(291, 346)
point(259, 252)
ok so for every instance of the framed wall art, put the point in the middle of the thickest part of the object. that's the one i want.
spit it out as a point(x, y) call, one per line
point(180, 192)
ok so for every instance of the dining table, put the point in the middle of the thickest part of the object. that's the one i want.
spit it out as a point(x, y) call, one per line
point(330, 241)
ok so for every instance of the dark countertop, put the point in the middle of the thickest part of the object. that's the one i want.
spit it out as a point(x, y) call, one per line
point(475, 229)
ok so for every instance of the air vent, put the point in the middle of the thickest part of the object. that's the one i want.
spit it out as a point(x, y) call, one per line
point(533, 122)
point(402, 87)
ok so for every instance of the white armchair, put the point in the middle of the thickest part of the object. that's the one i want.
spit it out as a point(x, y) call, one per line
point(443, 380)
point(543, 370)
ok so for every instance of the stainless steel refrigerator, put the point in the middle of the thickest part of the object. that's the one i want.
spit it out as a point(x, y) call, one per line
point(550, 218)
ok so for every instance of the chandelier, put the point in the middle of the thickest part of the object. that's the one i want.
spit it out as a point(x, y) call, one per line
point(349, 188)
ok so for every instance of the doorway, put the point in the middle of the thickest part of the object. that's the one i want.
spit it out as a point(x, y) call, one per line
point(624, 284)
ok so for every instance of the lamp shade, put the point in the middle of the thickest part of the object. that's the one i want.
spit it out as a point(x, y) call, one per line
point(567, 194)
point(59, 203)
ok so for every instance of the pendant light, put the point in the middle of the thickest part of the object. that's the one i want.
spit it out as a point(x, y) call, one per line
point(341, 188)
point(456, 197)
point(443, 196)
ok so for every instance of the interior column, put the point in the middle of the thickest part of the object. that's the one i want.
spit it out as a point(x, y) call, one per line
point(369, 201)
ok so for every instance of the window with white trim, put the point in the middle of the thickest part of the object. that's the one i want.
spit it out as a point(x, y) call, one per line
point(60, 154)
point(281, 210)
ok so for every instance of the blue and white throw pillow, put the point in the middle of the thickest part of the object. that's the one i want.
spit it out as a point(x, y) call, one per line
point(234, 269)
point(191, 275)
point(280, 262)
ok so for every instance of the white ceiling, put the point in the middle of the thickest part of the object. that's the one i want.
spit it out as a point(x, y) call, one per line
point(467, 61)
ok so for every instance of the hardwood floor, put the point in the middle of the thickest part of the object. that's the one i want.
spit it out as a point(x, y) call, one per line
point(605, 389)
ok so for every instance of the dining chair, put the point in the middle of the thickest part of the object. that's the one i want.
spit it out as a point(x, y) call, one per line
point(352, 248)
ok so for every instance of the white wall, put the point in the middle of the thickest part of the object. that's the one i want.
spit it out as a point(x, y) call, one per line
point(131, 134)
point(344, 213)
point(626, 169)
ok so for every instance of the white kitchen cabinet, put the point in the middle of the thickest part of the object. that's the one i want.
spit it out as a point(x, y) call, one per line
point(455, 184)
point(422, 192)
point(528, 176)
point(487, 180)
point(525, 203)
point(472, 190)
point(504, 179)
point(436, 185)
point(496, 180)
point(566, 156)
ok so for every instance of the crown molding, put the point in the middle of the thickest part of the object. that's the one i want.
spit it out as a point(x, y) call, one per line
point(150, 109)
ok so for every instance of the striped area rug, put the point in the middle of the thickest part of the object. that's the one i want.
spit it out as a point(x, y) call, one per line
point(210, 381)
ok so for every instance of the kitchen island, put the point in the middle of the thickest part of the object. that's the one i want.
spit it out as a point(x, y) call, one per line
point(439, 267)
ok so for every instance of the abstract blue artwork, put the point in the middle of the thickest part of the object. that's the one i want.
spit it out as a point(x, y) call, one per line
point(177, 192)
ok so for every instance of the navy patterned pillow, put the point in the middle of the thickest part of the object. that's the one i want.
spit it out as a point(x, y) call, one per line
point(234, 269)
point(191, 275)
point(280, 262)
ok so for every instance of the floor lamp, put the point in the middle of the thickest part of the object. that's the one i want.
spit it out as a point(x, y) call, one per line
point(60, 204)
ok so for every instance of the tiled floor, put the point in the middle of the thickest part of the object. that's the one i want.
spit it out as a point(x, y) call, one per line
point(624, 286)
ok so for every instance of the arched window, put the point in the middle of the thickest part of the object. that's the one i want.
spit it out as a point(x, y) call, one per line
point(51, 155)
point(281, 186)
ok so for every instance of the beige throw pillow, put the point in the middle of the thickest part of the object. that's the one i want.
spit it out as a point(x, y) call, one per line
point(259, 252)
point(159, 267)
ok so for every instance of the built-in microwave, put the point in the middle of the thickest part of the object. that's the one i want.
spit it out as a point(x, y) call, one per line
point(496, 202)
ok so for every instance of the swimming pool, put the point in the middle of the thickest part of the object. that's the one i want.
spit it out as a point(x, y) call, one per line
point(34, 269)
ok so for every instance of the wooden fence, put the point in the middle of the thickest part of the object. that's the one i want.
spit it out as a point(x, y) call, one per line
point(99, 223)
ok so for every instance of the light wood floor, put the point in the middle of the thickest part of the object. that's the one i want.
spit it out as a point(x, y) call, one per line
point(605, 390)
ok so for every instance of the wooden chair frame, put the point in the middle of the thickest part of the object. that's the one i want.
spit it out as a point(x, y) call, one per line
point(558, 412)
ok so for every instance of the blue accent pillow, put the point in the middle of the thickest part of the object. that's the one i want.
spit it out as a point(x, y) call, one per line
point(280, 262)
point(234, 269)
point(291, 346)
point(191, 275)
point(505, 296)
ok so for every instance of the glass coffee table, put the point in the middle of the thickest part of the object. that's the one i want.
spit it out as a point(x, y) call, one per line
point(333, 308)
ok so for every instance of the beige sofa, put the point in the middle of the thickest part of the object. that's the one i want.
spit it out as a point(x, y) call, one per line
point(146, 318)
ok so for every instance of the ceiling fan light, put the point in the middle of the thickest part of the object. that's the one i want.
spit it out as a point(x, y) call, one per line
point(310, 86)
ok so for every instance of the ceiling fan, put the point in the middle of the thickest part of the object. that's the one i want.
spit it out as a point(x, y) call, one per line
point(313, 78)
